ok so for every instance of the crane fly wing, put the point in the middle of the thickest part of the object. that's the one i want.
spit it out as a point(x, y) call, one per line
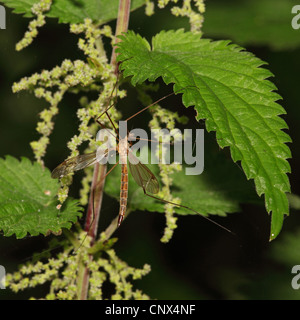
point(142, 175)
point(74, 164)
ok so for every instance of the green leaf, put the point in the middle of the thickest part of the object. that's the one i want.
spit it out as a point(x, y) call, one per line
point(28, 200)
point(256, 22)
point(229, 90)
point(74, 11)
point(219, 190)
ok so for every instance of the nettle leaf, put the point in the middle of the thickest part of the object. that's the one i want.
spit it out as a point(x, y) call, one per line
point(228, 89)
point(28, 200)
point(70, 11)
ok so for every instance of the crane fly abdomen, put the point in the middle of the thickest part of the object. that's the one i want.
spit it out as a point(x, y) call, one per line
point(123, 147)
point(123, 193)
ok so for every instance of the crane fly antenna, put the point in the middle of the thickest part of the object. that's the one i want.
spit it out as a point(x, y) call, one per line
point(150, 105)
point(157, 101)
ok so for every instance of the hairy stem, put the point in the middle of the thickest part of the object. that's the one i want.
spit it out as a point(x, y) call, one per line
point(96, 195)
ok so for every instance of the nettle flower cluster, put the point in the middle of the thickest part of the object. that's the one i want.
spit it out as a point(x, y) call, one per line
point(37, 10)
point(75, 76)
point(61, 271)
point(195, 15)
point(166, 118)
point(94, 74)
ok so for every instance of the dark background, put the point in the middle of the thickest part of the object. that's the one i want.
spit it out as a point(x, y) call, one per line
point(201, 261)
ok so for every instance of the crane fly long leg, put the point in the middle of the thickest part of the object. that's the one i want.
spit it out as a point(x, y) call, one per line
point(147, 180)
point(188, 208)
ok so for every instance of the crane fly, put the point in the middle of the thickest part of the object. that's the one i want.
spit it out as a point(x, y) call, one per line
point(141, 174)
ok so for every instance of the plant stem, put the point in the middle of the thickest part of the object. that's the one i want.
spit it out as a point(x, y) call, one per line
point(91, 223)
point(96, 195)
point(122, 26)
point(95, 201)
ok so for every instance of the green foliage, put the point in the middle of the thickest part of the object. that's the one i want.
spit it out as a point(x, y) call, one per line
point(227, 88)
point(28, 200)
point(62, 270)
point(229, 91)
point(275, 278)
point(68, 11)
point(256, 22)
